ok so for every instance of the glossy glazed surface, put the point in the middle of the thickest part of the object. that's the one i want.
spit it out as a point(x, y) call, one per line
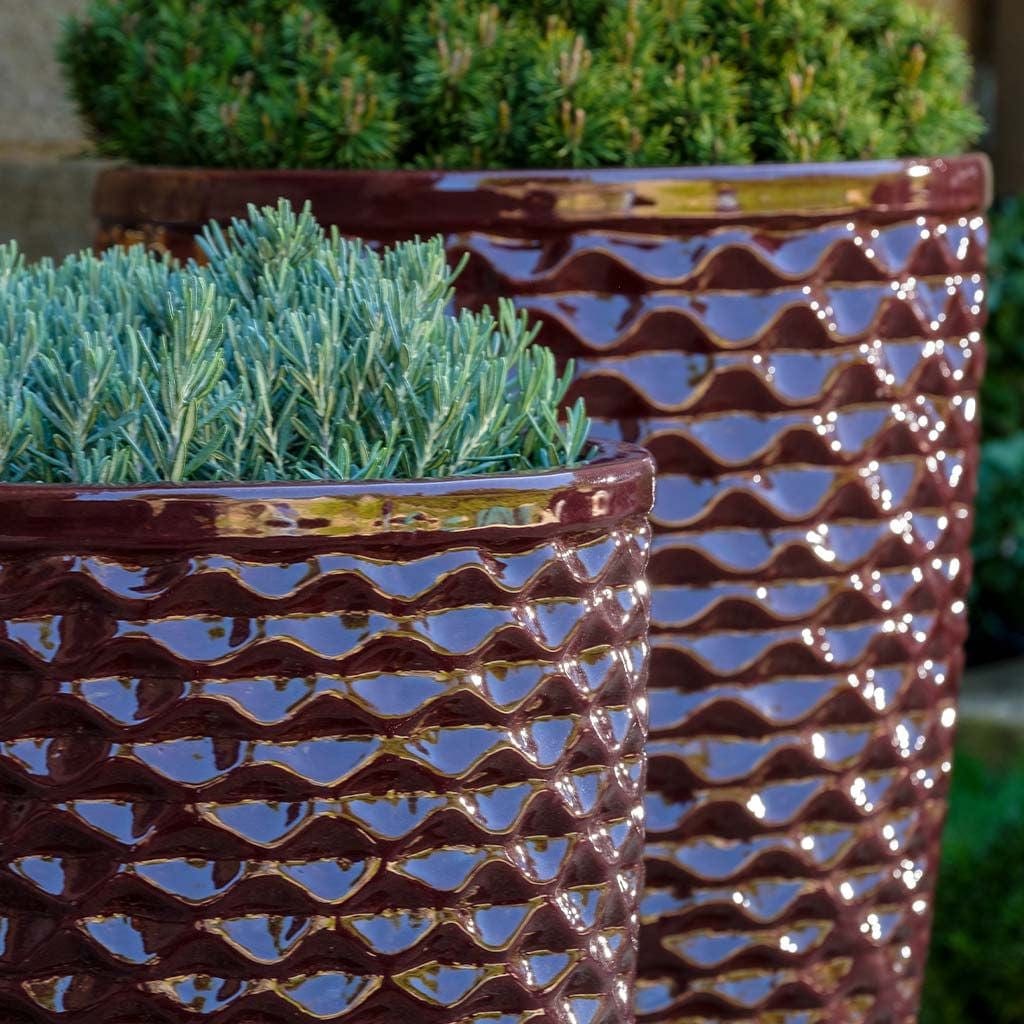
point(358, 753)
point(166, 206)
point(801, 349)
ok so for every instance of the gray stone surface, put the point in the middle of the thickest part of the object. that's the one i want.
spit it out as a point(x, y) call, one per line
point(995, 694)
point(45, 204)
point(34, 110)
point(44, 196)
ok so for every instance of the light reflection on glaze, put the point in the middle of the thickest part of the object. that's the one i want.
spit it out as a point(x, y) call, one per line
point(809, 391)
point(359, 784)
point(800, 347)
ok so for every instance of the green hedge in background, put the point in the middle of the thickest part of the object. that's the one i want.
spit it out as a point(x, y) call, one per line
point(997, 604)
point(516, 83)
point(976, 972)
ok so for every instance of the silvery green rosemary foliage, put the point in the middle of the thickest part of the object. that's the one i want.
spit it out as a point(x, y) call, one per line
point(518, 83)
point(290, 355)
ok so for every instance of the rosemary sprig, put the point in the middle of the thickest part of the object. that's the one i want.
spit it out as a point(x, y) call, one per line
point(290, 354)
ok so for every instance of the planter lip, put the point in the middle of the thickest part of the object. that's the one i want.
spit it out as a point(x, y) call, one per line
point(440, 200)
point(616, 484)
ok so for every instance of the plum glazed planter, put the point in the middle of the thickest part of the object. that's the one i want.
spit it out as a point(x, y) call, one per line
point(290, 753)
point(800, 346)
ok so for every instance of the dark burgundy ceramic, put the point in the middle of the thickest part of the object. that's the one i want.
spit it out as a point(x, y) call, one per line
point(292, 753)
point(800, 347)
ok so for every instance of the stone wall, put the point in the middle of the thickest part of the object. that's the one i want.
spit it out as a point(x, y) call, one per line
point(34, 112)
point(44, 185)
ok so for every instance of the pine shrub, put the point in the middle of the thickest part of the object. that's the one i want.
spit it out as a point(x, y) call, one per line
point(517, 83)
point(290, 354)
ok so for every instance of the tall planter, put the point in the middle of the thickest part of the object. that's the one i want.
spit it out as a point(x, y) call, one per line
point(294, 753)
point(800, 347)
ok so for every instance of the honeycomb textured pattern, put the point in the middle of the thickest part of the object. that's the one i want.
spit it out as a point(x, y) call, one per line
point(801, 350)
point(319, 781)
point(810, 394)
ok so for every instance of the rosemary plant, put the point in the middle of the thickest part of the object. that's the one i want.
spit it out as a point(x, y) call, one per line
point(291, 354)
point(517, 83)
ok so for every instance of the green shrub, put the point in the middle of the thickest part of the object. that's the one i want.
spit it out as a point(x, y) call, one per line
point(291, 355)
point(997, 611)
point(975, 973)
point(997, 602)
point(519, 83)
point(1003, 411)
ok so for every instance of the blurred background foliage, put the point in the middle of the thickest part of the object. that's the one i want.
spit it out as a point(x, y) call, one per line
point(997, 604)
point(976, 972)
point(517, 83)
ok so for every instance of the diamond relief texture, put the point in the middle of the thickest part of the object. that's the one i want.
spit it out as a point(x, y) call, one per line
point(245, 788)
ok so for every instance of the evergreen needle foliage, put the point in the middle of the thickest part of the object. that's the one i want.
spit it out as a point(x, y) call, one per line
point(517, 83)
point(291, 354)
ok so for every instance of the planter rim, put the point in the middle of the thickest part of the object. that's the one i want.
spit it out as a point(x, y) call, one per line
point(440, 200)
point(616, 484)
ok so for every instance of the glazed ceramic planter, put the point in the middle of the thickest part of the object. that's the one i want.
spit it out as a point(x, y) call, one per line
point(800, 347)
point(295, 753)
